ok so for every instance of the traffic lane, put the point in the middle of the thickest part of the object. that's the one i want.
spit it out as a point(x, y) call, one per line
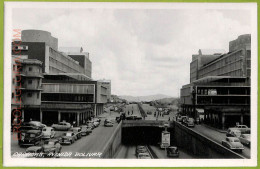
point(161, 153)
point(93, 143)
point(126, 152)
point(218, 137)
point(100, 132)
point(132, 108)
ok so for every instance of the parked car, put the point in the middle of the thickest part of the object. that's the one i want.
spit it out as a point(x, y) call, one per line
point(68, 138)
point(34, 151)
point(108, 123)
point(37, 124)
point(85, 130)
point(144, 156)
point(25, 126)
point(189, 122)
point(51, 146)
point(62, 126)
point(233, 143)
point(90, 125)
point(30, 137)
point(232, 132)
point(245, 139)
point(48, 132)
point(76, 131)
point(243, 128)
point(96, 124)
point(97, 119)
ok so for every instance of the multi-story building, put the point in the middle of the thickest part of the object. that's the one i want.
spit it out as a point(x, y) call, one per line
point(55, 86)
point(107, 84)
point(26, 87)
point(40, 45)
point(221, 87)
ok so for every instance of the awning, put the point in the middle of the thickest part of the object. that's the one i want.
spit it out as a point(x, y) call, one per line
point(200, 110)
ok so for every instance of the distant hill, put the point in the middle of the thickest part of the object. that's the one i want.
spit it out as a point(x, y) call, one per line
point(144, 98)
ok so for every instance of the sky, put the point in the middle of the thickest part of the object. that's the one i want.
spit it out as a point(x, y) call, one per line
point(142, 51)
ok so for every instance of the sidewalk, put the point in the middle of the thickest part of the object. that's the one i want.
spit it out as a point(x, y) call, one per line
point(213, 128)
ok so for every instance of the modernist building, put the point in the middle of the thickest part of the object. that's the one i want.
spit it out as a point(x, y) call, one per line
point(26, 87)
point(107, 84)
point(220, 87)
point(40, 45)
point(56, 86)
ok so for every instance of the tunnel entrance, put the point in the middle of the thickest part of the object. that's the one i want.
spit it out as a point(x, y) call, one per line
point(142, 135)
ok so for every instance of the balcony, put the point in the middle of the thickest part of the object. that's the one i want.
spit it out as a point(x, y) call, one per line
point(31, 74)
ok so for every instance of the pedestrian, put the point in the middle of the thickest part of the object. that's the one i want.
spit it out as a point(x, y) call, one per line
point(169, 119)
point(128, 112)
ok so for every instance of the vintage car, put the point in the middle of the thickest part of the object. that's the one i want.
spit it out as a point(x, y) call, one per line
point(108, 123)
point(76, 131)
point(62, 126)
point(233, 143)
point(96, 123)
point(85, 130)
point(140, 149)
point(48, 132)
point(233, 132)
point(243, 128)
point(68, 137)
point(97, 119)
point(172, 151)
point(25, 126)
point(34, 151)
point(189, 122)
point(37, 124)
point(51, 146)
point(30, 137)
point(245, 139)
point(144, 156)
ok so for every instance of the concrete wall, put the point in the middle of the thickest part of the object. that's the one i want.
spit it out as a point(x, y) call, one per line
point(199, 145)
point(113, 143)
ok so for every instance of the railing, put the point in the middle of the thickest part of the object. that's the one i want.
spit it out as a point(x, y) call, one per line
point(31, 74)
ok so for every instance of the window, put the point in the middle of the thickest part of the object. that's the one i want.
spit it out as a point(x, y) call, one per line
point(29, 81)
point(30, 68)
point(29, 94)
point(13, 67)
point(12, 95)
point(13, 81)
point(38, 95)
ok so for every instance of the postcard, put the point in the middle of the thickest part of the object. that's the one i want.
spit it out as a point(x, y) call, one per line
point(90, 84)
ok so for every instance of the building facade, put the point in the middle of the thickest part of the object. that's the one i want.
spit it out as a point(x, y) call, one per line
point(221, 88)
point(53, 86)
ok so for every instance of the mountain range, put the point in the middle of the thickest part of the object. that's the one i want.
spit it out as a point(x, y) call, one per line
point(144, 98)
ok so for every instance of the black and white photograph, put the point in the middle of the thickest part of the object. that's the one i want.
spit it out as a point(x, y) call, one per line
point(130, 84)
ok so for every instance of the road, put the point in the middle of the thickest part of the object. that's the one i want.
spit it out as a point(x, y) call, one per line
point(93, 143)
point(218, 137)
point(132, 109)
point(128, 152)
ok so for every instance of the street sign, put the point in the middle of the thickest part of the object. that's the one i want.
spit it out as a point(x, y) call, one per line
point(165, 139)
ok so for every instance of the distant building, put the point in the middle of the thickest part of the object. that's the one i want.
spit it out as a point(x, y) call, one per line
point(220, 86)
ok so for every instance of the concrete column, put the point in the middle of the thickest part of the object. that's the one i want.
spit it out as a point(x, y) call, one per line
point(95, 110)
point(223, 121)
point(242, 119)
point(41, 116)
point(77, 119)
point(59, 116)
